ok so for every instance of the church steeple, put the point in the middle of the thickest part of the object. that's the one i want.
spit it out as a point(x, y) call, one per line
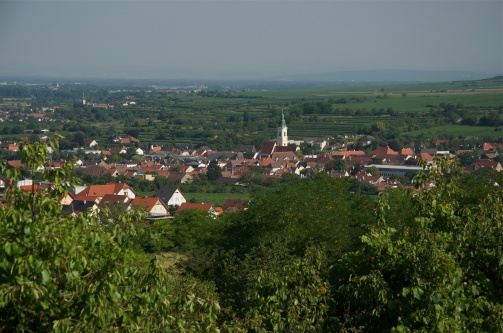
point(282, 139)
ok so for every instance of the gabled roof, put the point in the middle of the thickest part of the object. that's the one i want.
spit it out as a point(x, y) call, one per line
point(155, 149)
point(349, 153)
point(111, 172)
point(166, 192)
point(266, 161)
point(197, 206)
point(487, 164)
point(36, 187)
point(94, 170)
point(175, 176)
point(268, 148)
point(78, 206)
point(112, 198)
point(148, 202)
point(284, 149)
point(287, 155)
point(233, 205)
point(383, 151)
point(426, 157)
point(406, 151)
point(117, 150)
point(85, 198)
point(101, 190)
point(15, 163)
point(488, 146)
point(439, 142)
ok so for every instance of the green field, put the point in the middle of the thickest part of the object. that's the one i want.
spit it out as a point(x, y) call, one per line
point(455, 130)
point(217, 199)
point(228, 119)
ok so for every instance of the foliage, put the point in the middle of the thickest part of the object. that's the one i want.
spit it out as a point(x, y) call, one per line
point(214, 171)
point(443, 272)
point(275, 230)
point(151, 237)
point(295, 300)
point(362, 187)
point(193, 229)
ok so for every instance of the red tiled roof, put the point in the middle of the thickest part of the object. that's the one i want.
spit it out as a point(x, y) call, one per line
point(147, 202)
point(406, 151)
point(15, 163)
point(101, 190)
point(235, 204)
point(383, 151)
point(488, 146)
point(349, 153)
point(35, 187)
point(197, 206)
point(113, 198)
point(268, 148)
point(79, 197)
point(426, 157)
point(266, 161)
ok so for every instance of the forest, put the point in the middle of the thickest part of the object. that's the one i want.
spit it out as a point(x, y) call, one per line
point(309, 256)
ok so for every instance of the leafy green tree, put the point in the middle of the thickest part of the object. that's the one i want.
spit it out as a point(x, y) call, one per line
point(336, 164)
point(468, 158)
point(357, 168)
point(295, 300)
point(438, 271)
point(277, 228)
point(214, 171)
point(374, 171)
point(193, 229)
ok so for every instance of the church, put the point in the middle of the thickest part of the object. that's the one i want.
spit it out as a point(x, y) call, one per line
point(279, 149)
point(282, 139)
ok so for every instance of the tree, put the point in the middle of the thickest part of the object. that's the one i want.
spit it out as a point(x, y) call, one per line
point(374, 171)
point(78, 138)
point(336, 164)
point(214, 171)
point(295, 300)
point(357, 168)
point(439, 270)
point(469, 158)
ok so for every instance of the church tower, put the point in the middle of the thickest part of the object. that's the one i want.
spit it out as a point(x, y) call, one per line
point(282, 139)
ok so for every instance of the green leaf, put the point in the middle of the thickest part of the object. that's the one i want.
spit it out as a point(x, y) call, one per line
point(417, 292)
point(116, 296)
point(45, 304)
point(46, 277)
point(8, 248)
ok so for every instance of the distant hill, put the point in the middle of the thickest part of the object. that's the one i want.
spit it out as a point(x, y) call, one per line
point(393, 75)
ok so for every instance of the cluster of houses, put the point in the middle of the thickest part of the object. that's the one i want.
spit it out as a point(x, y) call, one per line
point(273, 161)
point(167, 203)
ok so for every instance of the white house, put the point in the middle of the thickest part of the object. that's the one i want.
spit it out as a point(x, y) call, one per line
point(171, 196)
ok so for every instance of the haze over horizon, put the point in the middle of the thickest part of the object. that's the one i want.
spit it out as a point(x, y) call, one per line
point(247, 39)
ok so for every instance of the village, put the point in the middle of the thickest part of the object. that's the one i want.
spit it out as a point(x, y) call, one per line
point(381, 168)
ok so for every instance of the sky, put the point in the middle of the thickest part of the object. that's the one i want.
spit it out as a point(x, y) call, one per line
point(239, 39)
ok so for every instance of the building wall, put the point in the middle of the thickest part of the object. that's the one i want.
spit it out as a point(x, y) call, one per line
point(177, 199)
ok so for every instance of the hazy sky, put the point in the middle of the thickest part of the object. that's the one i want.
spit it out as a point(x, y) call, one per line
point(247, 39)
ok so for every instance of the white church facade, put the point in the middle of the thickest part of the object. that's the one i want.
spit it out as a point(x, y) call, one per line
point(282, 139)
